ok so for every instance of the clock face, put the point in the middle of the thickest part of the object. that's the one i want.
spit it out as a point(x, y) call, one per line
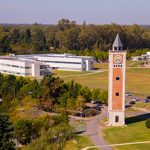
point(118, 59)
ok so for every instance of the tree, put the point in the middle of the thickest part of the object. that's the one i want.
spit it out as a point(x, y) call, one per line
point(50, 89)
point(23, 131)
point(79, 103)
point(88, 37)
point(38, 39)
point(95, 94)
point(103, 96)
point(15, 35)
point(5, 44)
point(63, 118)
point(53, 139)
point(86, 94)
point(26, 36)
point(32, 89)
point(68, 38)
point(63, 24)
point(6, 133)
point(147, 123)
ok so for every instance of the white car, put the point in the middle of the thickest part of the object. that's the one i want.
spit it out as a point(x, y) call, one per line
point(135, 99)
point(128, 94)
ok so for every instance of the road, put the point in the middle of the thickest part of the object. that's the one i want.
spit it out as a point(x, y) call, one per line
point(94, 131)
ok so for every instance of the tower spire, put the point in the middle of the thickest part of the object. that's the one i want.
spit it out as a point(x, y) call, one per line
point(117, 45)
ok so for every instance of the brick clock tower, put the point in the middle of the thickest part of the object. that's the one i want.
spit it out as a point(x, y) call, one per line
point(116, 96)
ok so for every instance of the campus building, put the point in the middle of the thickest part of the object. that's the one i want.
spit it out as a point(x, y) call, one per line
point(116, 96)
point(41, 64)
point(23, 67)
point(64, 61)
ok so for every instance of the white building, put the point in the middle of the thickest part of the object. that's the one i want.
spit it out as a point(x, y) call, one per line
point(64, 61)
point(41, 64)
point(136, 58)
point(143, 57)
point(148, 56)
point(23, 67)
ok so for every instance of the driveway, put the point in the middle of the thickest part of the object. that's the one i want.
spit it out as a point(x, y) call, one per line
point(94, 131)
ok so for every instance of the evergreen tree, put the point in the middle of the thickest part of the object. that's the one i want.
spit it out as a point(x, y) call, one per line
point(38, 39)
point(6, 133)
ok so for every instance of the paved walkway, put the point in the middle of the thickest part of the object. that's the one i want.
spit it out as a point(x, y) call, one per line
point(84, 74)
point(94, 131)
point(121, 144)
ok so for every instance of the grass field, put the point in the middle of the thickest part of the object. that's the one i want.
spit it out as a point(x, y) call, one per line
point(137, 79)
point(83, 142)
point(68, 73)
point(134, 63)
point(135, 132)
point(142, 105)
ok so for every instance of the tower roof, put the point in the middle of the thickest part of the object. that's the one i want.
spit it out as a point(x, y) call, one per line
point(117, 42)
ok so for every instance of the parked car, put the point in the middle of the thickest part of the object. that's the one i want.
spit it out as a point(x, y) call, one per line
point(135, 99)
point(148, 97)
point(132, 102)
point(146, 101)
point(93, 102)
point(128, 94)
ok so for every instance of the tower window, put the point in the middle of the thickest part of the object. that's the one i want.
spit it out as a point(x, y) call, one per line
point(116, 118)
point(117, 94)
point(117, 78)
point(115, 48)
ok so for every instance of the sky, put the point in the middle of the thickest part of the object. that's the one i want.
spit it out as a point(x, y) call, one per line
point(91, 11)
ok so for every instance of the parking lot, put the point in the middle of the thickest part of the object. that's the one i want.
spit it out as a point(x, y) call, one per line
point(132, 99)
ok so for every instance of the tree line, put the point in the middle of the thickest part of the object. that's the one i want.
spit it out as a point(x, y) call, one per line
point(69, 36)
point(51, 93)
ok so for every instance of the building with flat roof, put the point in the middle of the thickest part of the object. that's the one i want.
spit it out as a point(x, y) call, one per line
point(41, 64)
point(23, 67)
point(64, 61)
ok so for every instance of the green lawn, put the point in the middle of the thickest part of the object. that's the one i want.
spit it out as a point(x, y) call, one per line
point(101, 65)
point(83, 142)
point(133, 63)
point(142, 105)
point(68, 73)
point(137, 80)
point(135, 132)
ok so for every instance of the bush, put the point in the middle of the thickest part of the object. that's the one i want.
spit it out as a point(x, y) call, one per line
point(147, 123)
point(23, 131)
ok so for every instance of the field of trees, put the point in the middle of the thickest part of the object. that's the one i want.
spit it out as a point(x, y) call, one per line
point(69, 37)
point(26, 109)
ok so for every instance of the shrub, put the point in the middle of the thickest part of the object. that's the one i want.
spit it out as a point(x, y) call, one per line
point(23, 131)
point(147, 123)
